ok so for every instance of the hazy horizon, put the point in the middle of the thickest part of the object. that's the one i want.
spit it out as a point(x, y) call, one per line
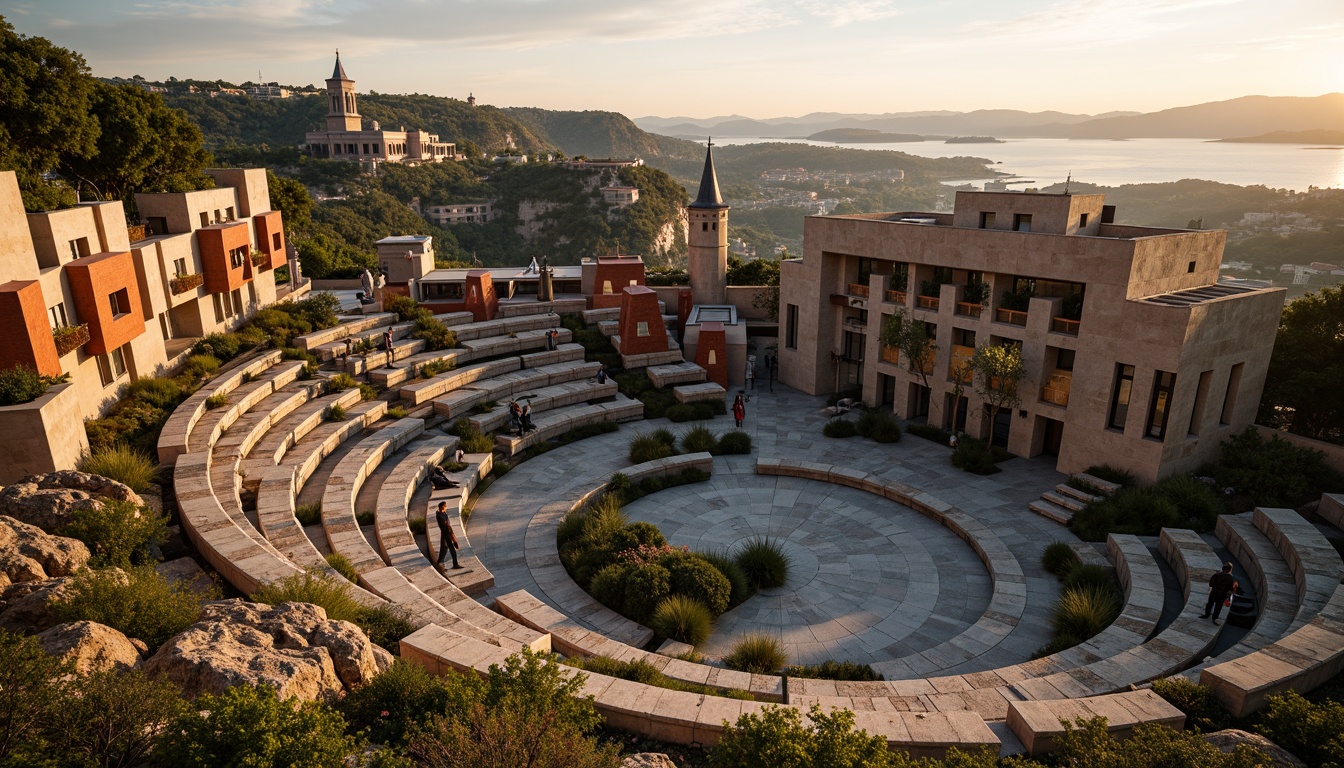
point(746, 57)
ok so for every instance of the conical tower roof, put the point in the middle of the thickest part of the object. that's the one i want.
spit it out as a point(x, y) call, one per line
point(339, 72)
point(709, 195)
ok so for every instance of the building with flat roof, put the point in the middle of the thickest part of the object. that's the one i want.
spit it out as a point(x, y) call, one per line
point(1135, 354)
point(460, 213)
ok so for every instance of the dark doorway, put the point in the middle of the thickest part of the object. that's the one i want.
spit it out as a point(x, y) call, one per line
point(1054, 436)
point(887, 384)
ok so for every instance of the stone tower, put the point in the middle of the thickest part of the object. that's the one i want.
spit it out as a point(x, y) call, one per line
point(342, 115)
point(707, 239)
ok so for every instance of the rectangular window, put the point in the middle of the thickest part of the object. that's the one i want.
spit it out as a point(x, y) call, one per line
point(120, 301)
point(854, 346)
point(1124, 383)
point(218, 218)
point(1082, 221)
point(1230, 397)
point(105, 370)
point(179, 267)
point(219, 307)
point(79, 248)
point(228, 214)
point(237, 301)
point(366, 149)
point(237, 257)
point(205, 219)
point(58, 318)
point(118, 358)
point(791, 327)
point(986, 219)
point(1022, 222)
point(1201, 399)
point(641, 329)
point(275, 241)
point(1159, 408)
point(375, 149)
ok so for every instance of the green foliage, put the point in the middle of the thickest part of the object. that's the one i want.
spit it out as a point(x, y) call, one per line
point(737, 578)
point(342, 565)
point(646, 587)
point(698, 440)
point(308, 514)
point(365, 518)
point(839, 429)
point(734, 441)
point(648, 447)
point(389, 705)
point(929, 432)
point(30, 696)
point(878, 425)
point(683, 619)
point(369, 392)
point(250, 726)
point(1203, 712)
point(778, 737)
point(385, 625)
point(1091, 577)
point(417, 526)
point(1306, 371)
point(998, 371)
point(694, 577)
point(1314, 732)
point(217, 400)
point(1178, 501)
point(124, 464)
point(21, 384)
point(759, 654)
point(1074, 481)
point(760, 271)
point(975, 456)
point(1085, 611)
point(911, 338)
point(641, 671)
point(764, 562)
point(1087, 743)
point(836, 670)
point(396, 412)
point(137, 601)
point(1059, 558)
point(336, 412)
point(1273, 472)
point(1112, 475)
point(434, 367)
point(470, 438)
point(435, 334)
point(682, 412)
point(117, 532)
point(200, 366)
point(341, 382)
point(223, 346)
point(139, 416)
point(113, 718)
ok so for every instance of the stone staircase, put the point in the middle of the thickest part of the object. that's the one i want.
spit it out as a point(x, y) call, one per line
point(1061, 503)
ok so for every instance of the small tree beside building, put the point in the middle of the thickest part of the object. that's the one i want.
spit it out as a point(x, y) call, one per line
point(998, 371)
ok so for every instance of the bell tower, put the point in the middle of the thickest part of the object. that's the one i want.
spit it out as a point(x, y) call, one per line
point(707, 238)
point(342, 115)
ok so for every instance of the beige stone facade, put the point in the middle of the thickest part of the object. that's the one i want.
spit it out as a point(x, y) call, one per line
point(1135, 355)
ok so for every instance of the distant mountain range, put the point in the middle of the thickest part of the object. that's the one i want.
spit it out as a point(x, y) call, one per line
point(1245, 116)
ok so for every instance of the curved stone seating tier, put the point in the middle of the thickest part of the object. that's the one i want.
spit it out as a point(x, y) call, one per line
point(546, 399)
point(572, 639)
point(543, 560)
point(1315, 563)
point(676, 373)
point(557, 423)
point(216, 421)
point(349, 325)
point(333, 349)
point(690, 718)
point(1037, 724)
point(1304, 659)
point(524, 307)
point(174, 439)
point(424, 390)
point(1332, 509)
point(603, 314)
point(672, 355)
point(410, 367)
point(285, 432)
point(474, 578)
point(699, 393)
point(505, 385)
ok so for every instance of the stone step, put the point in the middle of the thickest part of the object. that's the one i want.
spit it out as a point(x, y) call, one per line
point(1062, 500)
point(1105, 485)
point(1083, 496)
point(1052, 511)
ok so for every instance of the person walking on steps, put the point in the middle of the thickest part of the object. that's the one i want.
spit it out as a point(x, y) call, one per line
point(602, 374)
point(447, 539)
point(740, 408)
point(1221, 586)
point(387, 343)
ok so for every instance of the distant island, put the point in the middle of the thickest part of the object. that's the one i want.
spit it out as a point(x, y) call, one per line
point(974, 140)
point(1321, 136)
point(864, 135)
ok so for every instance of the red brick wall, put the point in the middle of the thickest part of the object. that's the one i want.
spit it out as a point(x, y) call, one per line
point(216, 242)
point(713, 339)
point(618, 272)
point(481, 300)
point(92, 282)
point(27, 337)
point(640, 305)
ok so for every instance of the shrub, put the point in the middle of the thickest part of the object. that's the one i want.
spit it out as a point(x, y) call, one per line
point(1087, 743)
point(1203, 712)
point(974, 456)
point(1090, 576)
point(683, 619)
point(114, 719)
point(764, 562)
point(341, 564)
point(776, 736)
point(404, 306)
point(839, 429)
point(391, 703)
point(308, 514)
point(435, 334)
point(682, 412)
point(31, 696)
point(756, 653)
point(1312, 732)
point(385, 625)
point(217, 400)
point(1199, 504)
point(434, 367)
point(1059, 558)
point(836, 670)
point(1176, 502)
point(929, 432)
point(608, 587)
point(693, 577)
point(249, 725)
point(138, 602)
point(1084, 612)
point(341, 382)
point(396, 412)
point(646, 587)
point(295, 353)
point(737, 579)
point(117, 532)
point(336, 412)
point(224, 346)
point(365, 518)
point(876, 424)
point(21, 384)
point(647, 447)
point(200, 366)
point(417, 526)
point(1111, 475)
point(368, 392)
point(1274, 472)
point(123, 464)
point(699, 440)
point(734, 441)
point(886, 432)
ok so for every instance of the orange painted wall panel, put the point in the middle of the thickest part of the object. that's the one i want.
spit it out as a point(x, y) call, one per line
point(711, 352)
point(27, 337)
point(93, 281)
point(216, 242)
point(271, 238)
point(639, 306)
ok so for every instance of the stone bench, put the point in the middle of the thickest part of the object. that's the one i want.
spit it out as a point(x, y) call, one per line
point(524, 307)
point(506, 325)
point(285, 432)
point(603, 314)
point(358, 365)
point(1038, 724)
point(515, 343)
point(349, 325)
point(175, 436)
point(1299, 661)
point(424, 390)
point(547, 399)
point(410, 366)
point(1314, 562)
point(676, 373)
point(558, 422)
point(226, 474)
point(1331, 509)
point(215, 421)
point(462, 400)
point(474, 578)
point(699, 393)
point(334, 349)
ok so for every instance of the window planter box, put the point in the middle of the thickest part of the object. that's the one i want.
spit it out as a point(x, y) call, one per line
point(259, 259)
point(70, 338)
point(183, 283)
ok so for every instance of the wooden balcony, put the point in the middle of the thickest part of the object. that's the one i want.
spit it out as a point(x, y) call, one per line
point(1056, 389)
point(891, 355)
point(856, 289)
point(927, 302)
point(897, 297)
point(1010, 316)
point(959, 368)
point(969, 309)
point(1064, 325)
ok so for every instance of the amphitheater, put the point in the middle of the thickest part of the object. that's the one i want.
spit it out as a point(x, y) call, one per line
point(927, 573)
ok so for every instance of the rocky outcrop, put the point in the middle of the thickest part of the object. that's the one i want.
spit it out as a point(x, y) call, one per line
point(29, 554)
point(48, 501)
point(188, 572)
point(647, 760)
point(292, 647)
point(91, 647)
point(28, 607)
point(1230, 739)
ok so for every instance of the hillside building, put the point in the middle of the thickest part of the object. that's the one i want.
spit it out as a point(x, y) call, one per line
point(1135, 354)
point(619, 195)
point(346, 138)
point(460, 213)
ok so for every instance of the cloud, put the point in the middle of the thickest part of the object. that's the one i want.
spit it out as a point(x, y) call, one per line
point(840, 14)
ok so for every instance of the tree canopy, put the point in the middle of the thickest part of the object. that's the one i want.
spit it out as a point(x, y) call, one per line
point(1306, 371)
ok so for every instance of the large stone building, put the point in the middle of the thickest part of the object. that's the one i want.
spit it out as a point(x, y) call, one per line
point(346, 138)
point(79, 296)
point(1135, 354)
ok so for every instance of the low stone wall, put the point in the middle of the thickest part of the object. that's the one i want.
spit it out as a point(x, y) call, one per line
point(42, 436)
point(1334, 454)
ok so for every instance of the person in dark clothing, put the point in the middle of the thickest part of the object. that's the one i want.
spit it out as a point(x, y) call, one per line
point(441, 481)
point(387, 339)
point(602, 374)
point(515, 419)
point(447, 539)
point(1221, 585)
point(525, 420)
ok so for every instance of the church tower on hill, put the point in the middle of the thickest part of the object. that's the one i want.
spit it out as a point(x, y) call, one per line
point(341, 112)
point(707, 239)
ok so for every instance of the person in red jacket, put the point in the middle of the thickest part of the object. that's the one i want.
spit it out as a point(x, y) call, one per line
point(740, 407)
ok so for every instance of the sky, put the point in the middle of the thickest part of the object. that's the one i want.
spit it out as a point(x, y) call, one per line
point(759, 58)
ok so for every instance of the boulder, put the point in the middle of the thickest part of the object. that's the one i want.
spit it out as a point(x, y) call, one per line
point(49, 501)
point(292, 646)
point(27, 608)
point(28, 554)
point(188, 571)
point(647, 760)
point(90, 646)
point(1230, 739)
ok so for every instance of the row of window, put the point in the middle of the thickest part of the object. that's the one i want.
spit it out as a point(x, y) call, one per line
point(1021, 221)
point(112, 366)
point(1159, 403)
